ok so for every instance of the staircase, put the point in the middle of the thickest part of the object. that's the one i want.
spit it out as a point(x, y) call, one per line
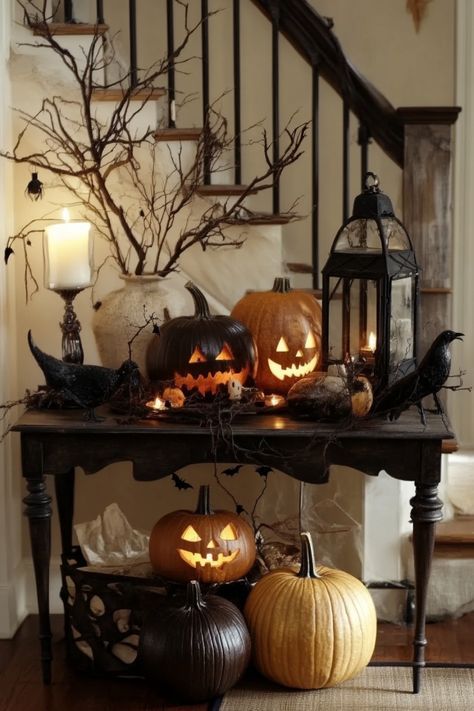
point(411, 137)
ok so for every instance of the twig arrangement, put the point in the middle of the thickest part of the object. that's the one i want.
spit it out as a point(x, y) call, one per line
point(112, 169)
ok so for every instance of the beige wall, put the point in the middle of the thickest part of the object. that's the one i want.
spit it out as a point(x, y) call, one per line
point(379, 38)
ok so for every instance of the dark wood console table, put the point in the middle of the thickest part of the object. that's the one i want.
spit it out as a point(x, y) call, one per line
point(54, 442)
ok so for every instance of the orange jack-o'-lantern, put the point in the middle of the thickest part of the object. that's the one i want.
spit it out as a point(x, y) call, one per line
point(202, 352)
point(207, 546)
point(286, 325)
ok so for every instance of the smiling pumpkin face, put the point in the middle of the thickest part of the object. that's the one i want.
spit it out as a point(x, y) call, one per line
point(207, 546)
point(286, 326)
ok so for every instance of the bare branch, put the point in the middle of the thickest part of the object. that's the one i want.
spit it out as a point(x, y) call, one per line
point(112, 168)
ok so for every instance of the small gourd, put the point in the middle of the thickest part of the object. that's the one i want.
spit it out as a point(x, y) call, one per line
point(205, 545)
point(196, 649)
point(312, 628)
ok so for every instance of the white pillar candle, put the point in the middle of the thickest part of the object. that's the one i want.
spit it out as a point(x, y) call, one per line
point(68, 255)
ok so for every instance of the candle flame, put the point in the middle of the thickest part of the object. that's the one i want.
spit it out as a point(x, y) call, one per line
point(65, 214)
point(372, 341)
point(158, 404)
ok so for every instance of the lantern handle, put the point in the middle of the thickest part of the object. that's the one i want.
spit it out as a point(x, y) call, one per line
point(373, 186)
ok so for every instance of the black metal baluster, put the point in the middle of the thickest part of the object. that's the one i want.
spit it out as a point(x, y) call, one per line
point(275, 15)
point(171, 68)
point(205, 83)
point(363, 139)
point(100, 12)
point(132, 22)
point(315, 174)
point(68, 12)
point(237, 123)
point(345, 161)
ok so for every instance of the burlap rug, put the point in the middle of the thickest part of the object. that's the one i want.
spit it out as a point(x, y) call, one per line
point(376, 689)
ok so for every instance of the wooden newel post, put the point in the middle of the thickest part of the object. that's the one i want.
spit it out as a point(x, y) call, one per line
point(427, 210)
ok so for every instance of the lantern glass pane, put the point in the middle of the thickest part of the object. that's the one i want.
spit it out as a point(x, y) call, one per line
point(359, 236)
point(364, 236)
point(335, 337)
point(402, 322)
point(352, 319)
point(395, 235)
point(368, 318)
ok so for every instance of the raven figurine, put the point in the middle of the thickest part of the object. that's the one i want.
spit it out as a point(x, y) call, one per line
point(86, 385)
point(427, 379)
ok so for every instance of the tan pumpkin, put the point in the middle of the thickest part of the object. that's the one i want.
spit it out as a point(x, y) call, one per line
point(286, 326)
point(205, 545)
point(312, 628)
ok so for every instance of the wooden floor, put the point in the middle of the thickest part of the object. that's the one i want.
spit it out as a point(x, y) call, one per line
point(21, 688)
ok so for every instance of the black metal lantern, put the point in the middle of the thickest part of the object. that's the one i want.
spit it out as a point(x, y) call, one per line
point(370, 292)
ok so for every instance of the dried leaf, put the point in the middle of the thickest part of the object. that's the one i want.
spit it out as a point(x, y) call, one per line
point(418, 10)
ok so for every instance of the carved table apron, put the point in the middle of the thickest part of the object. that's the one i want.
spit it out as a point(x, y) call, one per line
point(55, 442)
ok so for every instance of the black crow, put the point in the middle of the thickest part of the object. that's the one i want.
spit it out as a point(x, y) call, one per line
point(427, 379)
point(86, 385)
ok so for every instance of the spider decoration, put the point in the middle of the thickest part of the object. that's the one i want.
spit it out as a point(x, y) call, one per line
point(35, 189)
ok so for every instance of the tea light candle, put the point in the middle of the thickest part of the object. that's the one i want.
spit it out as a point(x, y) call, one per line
point(68, 254)
point(274, 400)
point(156, 405)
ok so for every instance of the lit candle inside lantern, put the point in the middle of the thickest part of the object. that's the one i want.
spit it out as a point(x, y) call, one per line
point(372, 341)
point(274, 400)
point(368, 351)
point(68, 254)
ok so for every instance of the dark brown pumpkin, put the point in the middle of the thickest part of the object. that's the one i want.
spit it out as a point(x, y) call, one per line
point(197, 648)
point(201, 352)
point(286, 325)
point(212, 547)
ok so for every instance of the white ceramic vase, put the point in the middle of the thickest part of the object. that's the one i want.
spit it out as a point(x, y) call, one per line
point(124, 310)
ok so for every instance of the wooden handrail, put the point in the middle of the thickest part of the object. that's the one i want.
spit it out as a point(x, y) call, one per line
point(312, 37)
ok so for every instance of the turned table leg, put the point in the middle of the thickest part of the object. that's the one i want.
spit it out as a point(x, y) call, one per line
point(38, 511)
point(426, 511)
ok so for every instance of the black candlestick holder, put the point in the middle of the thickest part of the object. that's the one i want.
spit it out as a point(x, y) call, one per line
point(72, 351)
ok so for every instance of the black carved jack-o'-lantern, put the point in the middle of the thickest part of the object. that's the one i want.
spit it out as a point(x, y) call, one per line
point(209, 546)
point(286, 325)
point(202, 352)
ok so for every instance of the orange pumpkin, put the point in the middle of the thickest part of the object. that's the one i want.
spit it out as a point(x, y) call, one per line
point(212, 547)
point(286, 325)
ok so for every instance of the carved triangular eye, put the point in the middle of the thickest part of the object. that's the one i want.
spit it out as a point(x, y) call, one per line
point(225, 354)
point(310, 341)
point(190, 534)
point(228, 533)
point(197, 356)
point(282, 346)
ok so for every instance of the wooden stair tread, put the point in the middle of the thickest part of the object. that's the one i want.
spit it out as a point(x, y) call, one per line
point(178, 134)
point(208, 190)
point(69, 28)
point(300, 268)
point(458, 531)
point(117, 94)
point(261, 218)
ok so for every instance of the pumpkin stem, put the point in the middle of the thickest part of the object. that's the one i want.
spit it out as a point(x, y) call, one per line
point(203, 505)
point(193, 594)
point(281, 285)
point(201, 307)
point(308, 565)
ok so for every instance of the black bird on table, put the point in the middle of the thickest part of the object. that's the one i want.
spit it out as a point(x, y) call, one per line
point(88, 386)
point(427, 379)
